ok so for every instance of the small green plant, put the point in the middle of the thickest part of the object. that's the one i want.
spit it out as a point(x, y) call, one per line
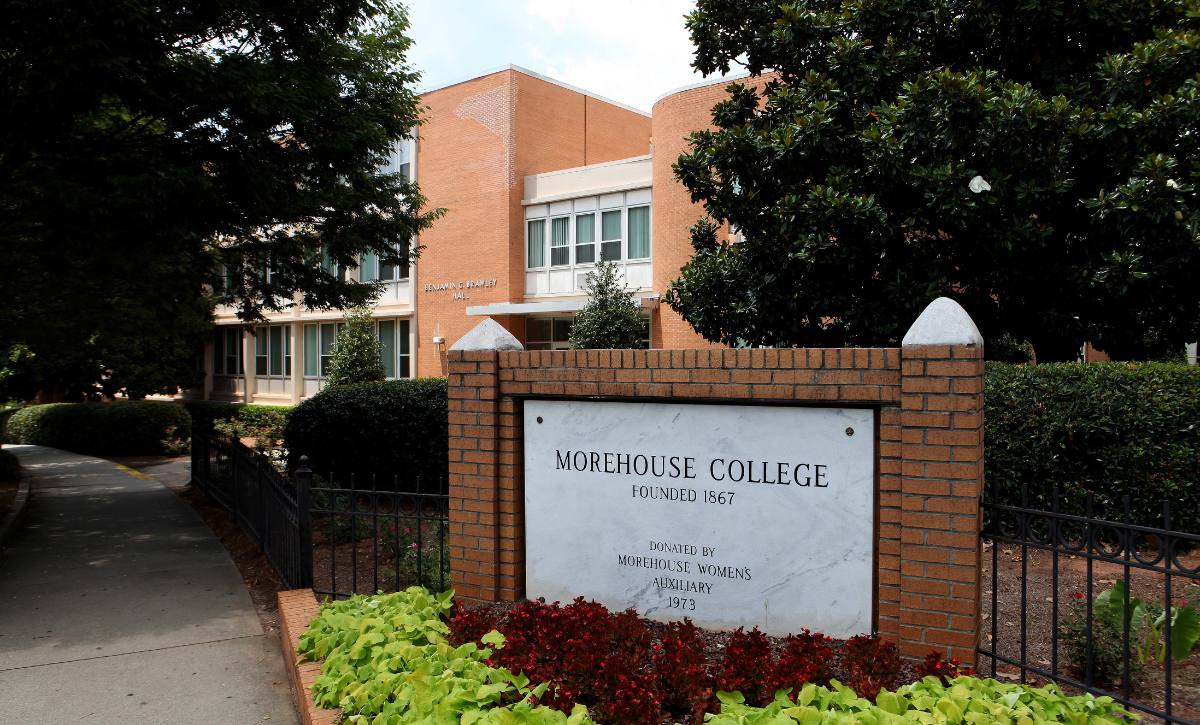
point(175, 444)
point(400, 549)
point(1149, 622)
point(610, 320)
point(1108, 643)
point(357, 352)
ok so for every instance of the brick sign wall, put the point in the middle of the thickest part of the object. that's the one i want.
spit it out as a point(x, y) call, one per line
point(929, 405)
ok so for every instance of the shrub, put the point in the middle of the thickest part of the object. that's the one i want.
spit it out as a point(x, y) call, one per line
point(469, 625)
point(685, 687)
point(935, 666)
point(806, 657)
point(397, 427)
point(10, 466)
point(357, 352)
point(610, 319)
point(173, 444)
point(122, 428)
point(1112, 429)
point(1108, 642)
point(253, 416)
point(873, 664)
point(747, 667)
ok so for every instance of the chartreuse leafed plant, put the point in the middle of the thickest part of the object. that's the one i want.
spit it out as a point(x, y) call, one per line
point(929, 702)
point(387, 662)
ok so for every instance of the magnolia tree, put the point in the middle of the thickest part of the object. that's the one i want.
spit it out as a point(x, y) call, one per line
point(1035, 161)
point(357, 351)
point(611, 319)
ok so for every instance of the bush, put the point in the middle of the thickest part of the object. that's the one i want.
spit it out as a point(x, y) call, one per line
point(936, 666)
point(251, 416)
point(122, 428)
point(747, 667)
point(873, 664)
point(1108, 642)
point(10, 466)
point(1113, 429)
point(357, 352)
point(397, 427)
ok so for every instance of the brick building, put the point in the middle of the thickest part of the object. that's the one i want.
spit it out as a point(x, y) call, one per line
point(541, 180)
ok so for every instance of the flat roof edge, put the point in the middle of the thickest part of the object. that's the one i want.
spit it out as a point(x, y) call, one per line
point(574, 169)
point(707, 82)
point(539, 76)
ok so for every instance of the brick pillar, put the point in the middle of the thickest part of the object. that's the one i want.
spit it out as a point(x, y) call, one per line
point(474, 517)
point(476, 529)
point(941, 401)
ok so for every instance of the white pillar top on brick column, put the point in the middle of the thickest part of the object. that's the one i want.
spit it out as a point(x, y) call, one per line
point(488, 335)
point(944, 322)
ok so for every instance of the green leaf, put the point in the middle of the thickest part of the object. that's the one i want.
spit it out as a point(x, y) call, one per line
point(1185, 630)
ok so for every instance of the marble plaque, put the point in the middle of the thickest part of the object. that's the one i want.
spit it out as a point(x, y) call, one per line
point(731, 515)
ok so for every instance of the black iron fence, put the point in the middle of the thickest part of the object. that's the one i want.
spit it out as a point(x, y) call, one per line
point(382, 537)
point(1091, 605)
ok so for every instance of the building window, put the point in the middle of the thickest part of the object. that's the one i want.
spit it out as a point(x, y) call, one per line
point(548, 333)
point(371, 268)
point(310, 351)
point(272, 351)
point(560, 241)
point(328, 338)
point(585, 239)
point(537, 243)
point(227, 351)
point(639, 233)
point(394, 355)
point(610, 236)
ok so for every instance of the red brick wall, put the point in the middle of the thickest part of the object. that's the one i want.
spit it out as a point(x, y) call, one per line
point(481, 138)
point(675, 118)
point(930, 464)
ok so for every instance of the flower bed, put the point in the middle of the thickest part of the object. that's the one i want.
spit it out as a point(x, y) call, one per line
point(394, 659)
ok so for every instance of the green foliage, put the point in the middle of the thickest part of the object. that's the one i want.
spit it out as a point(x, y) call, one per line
point(387, 662)
point(396, 427)
point(1035, 161)
point(1148, 624)
point(610, 320)
point(400, 551)
point(174, 444)
point(357, 352)
point(1113, 429)
point(1108, 642)
point(965, 700)
point(10, 466)
point(1008, 349)
point(149, 147)
point(204, 415)
point(122, 428)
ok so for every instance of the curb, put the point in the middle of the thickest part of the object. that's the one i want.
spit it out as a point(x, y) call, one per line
point(14, 517)
point(297, 608)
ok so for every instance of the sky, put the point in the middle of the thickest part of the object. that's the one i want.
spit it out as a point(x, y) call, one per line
point(630, 51)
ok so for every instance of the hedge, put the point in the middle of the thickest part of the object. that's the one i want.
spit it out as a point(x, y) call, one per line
point(396, 427)
point(1112, 428)
point(203, 414)
point(122, 428)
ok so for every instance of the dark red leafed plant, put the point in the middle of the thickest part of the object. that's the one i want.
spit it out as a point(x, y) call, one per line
point(873, 664)
point(681, 673)
point(624, 694)
point(747, 667)
point(469, 625)
point(806, 658)
point(937, 667)
point(630, 636)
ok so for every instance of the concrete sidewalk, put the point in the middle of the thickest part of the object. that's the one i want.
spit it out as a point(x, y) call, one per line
point(118, 605)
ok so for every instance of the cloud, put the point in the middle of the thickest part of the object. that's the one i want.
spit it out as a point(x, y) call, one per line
point(628, 50)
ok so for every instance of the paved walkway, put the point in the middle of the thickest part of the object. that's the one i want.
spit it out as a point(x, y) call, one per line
point(118, 605)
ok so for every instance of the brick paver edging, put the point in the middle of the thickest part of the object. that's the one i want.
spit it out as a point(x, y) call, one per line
point(929, 410)
point(296, 609)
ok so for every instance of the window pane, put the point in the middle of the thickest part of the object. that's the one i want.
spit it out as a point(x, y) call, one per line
point(310, 350)
point(387, 335)
point(276, 350)
point(537, 332)
point(387, 272)
point(328, 337)
point(585, 238)
point(562, 330)
point(610, 251)
point(403, 268)
point(537, 243)
point(366, 267)
point(260, 351)
point(639, 233)
point(233, 351)
point(610, 224)
point(404, 171)
point(560, 238)
point(218, 351)
point(403, 335)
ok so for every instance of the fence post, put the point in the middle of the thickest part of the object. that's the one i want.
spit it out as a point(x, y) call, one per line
point(235, 469)
point(264, 532)
point(304, 523)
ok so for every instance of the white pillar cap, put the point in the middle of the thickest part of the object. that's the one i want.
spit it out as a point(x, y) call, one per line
point(944, 322)
point(488, 335)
